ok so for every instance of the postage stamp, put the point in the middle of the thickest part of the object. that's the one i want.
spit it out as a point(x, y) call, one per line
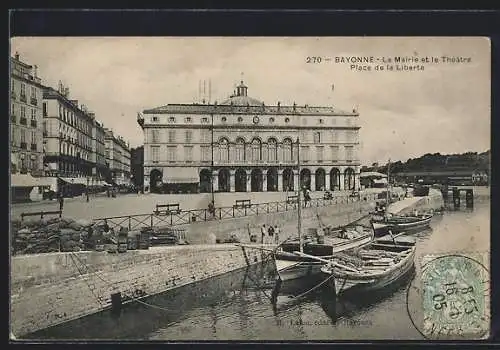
point(455, 297)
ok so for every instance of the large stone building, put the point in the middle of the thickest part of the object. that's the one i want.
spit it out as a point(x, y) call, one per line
point(117, 157)
point(74, 149)
point(26, 137)
point(243, 145)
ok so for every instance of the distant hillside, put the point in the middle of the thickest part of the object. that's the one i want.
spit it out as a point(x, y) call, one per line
point(431, 162)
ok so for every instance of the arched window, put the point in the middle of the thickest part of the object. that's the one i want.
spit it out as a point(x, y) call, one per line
point(287, 150)
point(256, 150)
point(273, 150)
point(240, 150)
point(223, 150)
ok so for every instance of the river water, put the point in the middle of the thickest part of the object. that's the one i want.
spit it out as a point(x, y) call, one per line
point(248, 305)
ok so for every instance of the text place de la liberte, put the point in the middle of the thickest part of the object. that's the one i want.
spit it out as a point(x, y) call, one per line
point(389, 63)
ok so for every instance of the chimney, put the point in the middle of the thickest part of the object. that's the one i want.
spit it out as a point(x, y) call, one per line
point(17, 55)
point(279, 105)
point(294, 106)
point(35, 71)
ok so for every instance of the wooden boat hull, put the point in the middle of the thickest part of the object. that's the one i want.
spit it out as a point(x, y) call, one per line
point(290, 266)
point(382, 227)
point(346, 282)
point(290, 270)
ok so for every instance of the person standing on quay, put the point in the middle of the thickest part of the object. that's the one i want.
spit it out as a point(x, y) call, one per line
point(61, 202)
point(276, 234)
point(263, 232)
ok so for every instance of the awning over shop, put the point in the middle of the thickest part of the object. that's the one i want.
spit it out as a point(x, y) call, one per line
point(75, 180)
point(380, 181)
point(26, 180)
point(180, 175)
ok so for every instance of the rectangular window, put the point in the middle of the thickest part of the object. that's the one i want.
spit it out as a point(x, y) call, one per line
point(12, 87)
point(189, 136)
point(317, 137)
point(13, 109)
point(23, 111)
point(33, 137)
point(155, 154)
point(334, 153)
point(45, 109)
point(33, 114)
point(23, 135)
point(319, 153)
point(171, 136)
point(171, 153)
point(23, 89)
point(349, 153)
point(155, 136)
point(206, 153)
point(188, 153)
point(171, 119)
point(303, 137)
point(154, 119)
point(334, 136)
point(305, 153)
point(204, 120)
point(187, 119)
point(33, 92)
point(206, 136)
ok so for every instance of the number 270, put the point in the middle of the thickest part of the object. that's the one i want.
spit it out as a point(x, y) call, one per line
point(313, 59)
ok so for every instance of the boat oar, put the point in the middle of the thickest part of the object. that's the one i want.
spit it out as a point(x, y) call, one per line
point(325, 261)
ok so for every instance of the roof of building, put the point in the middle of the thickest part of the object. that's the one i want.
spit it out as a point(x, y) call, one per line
point(252, 109)
point(241, 103)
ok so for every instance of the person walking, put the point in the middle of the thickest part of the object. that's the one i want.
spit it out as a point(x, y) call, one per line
point(263, 232)
point(276, 234)
point(211, 208)
point(270, 233)
point(61, 202)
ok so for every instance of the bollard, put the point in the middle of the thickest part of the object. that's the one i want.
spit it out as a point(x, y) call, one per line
point(456, 198)
point(469, 198)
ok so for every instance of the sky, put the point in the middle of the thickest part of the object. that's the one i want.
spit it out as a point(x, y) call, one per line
point(403, 114)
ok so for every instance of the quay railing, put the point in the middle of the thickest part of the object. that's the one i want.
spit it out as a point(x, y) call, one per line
point(183, 217)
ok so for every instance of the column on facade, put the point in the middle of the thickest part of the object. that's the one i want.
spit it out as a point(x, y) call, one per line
point(295, 180)
point(249, 180)
point(280, 180)
point(342, 179)
point(313, 180)
point(327, 181)
point(215, 180)
point(232, 182)
point(264, 180)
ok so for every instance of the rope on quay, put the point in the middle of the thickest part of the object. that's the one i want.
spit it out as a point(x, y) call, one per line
point(109, 284)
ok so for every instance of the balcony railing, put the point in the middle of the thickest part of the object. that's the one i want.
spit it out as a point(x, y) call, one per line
point(33, 123)
point(13, 118)
point(33, 146)
point(34, 101)
point(23, 98)
point(23, 145)
point(23, 121)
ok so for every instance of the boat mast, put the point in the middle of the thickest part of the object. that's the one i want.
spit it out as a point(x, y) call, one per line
point(388, 183)
point(299, 210)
